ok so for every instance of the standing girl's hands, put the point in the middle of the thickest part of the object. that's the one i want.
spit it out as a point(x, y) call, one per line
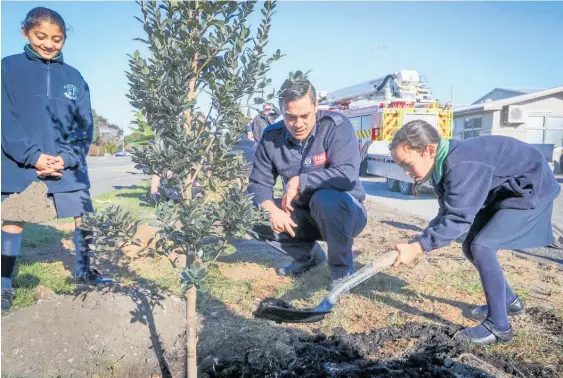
point(48, 165)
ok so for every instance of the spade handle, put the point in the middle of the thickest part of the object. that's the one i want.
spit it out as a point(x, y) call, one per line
point(381, 263)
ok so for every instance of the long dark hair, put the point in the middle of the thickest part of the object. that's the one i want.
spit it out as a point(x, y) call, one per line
point(40, 14)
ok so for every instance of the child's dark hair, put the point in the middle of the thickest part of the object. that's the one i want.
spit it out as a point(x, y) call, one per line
point(40, 14)
point(415, 134)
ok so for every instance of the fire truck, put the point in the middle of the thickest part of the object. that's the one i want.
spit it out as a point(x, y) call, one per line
point(377, 109)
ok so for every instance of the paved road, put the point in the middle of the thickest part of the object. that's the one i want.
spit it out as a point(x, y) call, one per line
point(109, 173)
point(425, 206)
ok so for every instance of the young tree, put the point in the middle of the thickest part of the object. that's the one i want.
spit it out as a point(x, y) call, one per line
point(199, 46)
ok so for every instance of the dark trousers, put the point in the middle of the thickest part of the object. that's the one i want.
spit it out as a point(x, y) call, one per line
point(332, 216)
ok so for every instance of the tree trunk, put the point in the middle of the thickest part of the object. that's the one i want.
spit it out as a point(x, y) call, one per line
point(191, 322)
point(191, 294)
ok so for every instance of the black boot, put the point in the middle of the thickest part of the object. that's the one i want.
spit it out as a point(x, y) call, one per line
point(7, 298)
point(92, 276)
point(298, 267)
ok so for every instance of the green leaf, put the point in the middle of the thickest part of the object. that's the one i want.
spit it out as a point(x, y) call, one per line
point(167, 102)
point(229, 249)
point(245, 32)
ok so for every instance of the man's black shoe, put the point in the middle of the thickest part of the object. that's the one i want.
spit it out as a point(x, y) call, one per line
point(298, 267)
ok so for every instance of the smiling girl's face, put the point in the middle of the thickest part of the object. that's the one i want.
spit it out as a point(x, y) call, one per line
point(46, 39)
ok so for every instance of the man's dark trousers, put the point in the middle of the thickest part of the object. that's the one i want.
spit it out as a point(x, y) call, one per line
point(332, 216)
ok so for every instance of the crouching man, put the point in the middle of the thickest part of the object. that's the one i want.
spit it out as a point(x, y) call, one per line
point(316, 154)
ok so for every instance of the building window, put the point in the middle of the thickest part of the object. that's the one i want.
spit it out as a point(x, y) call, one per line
point(545, 130)
point(472, 127)
point(554, 131)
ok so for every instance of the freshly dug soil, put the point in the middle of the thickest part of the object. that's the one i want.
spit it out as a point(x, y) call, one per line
point(274, 302)
point(548, 320)
point(29, 206)
point(411, 350)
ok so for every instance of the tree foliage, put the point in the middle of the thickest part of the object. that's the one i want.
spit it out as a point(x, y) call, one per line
point(194, 47)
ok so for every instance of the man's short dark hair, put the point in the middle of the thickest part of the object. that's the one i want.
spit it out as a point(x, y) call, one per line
point(296, 89)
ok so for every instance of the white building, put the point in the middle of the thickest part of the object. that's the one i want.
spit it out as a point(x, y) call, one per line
point(533, 116)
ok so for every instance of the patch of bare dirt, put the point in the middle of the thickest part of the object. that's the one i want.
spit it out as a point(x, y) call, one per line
point(112, 332)
point(547, 320)
point(30, 206)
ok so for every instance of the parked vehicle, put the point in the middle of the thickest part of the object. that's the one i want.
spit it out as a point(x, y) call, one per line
point(377, 109)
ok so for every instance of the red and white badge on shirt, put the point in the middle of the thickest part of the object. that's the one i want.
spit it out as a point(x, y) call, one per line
point(319, 159)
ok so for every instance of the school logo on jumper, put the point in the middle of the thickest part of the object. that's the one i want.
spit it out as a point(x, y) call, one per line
point(71, 92)
point(308, 161)
point(319, 159)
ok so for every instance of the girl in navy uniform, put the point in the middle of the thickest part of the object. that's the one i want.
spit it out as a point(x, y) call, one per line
point(47, 129)
point(498, 189)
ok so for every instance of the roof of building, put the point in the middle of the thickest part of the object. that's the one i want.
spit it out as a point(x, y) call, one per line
point(497, 105)
point(522, 90)
point(508, 92)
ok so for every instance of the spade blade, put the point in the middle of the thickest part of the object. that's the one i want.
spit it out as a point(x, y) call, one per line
point(281, 312)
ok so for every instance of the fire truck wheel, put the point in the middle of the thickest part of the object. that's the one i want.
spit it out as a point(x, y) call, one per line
point(406, 188)
point(392, 185)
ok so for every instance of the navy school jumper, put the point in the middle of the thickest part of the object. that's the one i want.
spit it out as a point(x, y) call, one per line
point(45, 109)
point(488, 173)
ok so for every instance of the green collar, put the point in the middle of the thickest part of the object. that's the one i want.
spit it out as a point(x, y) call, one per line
point(443, 149)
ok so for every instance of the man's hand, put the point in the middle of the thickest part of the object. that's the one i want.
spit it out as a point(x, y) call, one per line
point(282, 222)
point(408, 252)
point(249, 135)
point(48, 165)
point(292, 189)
